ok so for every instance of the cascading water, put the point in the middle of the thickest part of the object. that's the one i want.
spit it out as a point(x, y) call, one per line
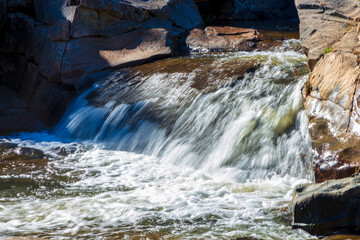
point(205, 146)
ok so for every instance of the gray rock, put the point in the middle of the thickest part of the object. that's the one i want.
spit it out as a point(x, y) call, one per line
point(14, 114)
point(87, 55)
point(49, 11)
point(60, 31)
point(323, 208)
point(89, 22)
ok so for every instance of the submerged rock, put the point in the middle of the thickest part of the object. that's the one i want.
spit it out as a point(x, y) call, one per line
point(15, 159)
point(325, 208)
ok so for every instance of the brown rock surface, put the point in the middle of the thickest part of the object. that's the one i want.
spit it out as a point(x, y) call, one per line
point(330, 38)
point(15, 159)
point(222, 38)
point(343, 237)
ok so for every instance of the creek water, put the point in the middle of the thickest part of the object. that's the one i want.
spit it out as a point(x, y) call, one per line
point(207, 146)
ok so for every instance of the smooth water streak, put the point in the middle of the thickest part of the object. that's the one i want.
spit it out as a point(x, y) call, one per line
point(202, 147)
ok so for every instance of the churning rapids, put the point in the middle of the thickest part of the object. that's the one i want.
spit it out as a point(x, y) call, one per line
point(207, 146)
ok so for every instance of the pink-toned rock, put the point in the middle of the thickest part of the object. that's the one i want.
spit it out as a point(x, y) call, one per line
point(222, 38)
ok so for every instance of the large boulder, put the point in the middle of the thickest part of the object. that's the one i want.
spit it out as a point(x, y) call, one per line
point(330, 37)
point(88, 55)
point(325, 208)
point(50, 48)
point(323, 23)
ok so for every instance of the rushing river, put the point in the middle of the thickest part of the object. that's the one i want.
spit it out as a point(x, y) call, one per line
point(207, 146)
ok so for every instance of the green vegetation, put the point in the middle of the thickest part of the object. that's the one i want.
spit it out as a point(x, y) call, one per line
point(329, 49)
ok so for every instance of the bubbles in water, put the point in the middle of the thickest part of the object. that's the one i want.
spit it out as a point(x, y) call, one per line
point(195, 147)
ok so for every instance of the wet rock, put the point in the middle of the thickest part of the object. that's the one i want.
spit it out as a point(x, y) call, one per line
point(15, 159)
point(334, 156)
point(329, 37)
point(222, 38)
point(324, 208)
point(342, 237)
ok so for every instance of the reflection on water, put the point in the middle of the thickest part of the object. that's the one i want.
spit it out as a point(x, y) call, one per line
point(205, 146)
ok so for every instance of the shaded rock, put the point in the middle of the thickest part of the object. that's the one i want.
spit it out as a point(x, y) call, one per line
point(3, 12)
point(50, 11)
point(60, 31)
point(57, 43)
point(245, 10)
point(222, 38)
point(182, 13)
point(14, 114)
point(96, 54)
point(24, 6)
point(334, 156)
point(111, 18)
point(89, 22)
point(324, 208)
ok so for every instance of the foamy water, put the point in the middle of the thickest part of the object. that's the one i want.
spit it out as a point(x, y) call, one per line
point(158, 158)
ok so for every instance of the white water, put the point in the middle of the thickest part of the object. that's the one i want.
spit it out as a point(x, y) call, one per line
point(158, 158)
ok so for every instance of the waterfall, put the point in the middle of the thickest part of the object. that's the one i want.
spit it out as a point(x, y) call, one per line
point(245, 114)
point(207, 146)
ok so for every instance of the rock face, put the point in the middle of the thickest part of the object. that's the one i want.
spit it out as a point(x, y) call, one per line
point(332, 206)
point(50, 48)
point(14, 114)
point(245, 10)
point(330, 36)
point(222, 38)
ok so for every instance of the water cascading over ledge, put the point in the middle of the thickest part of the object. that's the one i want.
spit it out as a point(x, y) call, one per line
point(214, 111)
point(204, 146)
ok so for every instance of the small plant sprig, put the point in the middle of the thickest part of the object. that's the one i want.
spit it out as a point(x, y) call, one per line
point(329, 49)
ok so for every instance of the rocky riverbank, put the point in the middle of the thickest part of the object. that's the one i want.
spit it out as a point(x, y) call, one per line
point(52, 50)
point(330, 35)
